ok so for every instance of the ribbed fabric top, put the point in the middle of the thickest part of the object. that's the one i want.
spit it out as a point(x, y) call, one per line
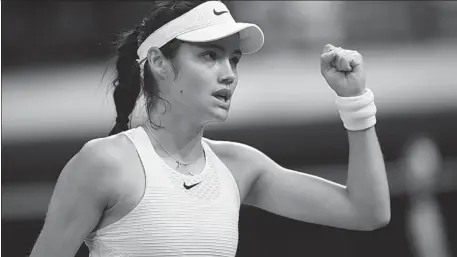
point(171, 220)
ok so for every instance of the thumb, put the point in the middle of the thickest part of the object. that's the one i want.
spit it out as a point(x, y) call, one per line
point(326, 61)
point(330, 47)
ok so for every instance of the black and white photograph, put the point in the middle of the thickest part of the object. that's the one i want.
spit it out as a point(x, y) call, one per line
point(229, 128)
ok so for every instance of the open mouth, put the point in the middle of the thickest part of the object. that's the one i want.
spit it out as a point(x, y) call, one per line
point(223, 95)
point(222, 98)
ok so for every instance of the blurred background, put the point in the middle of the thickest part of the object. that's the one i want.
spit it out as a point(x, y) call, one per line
point(57, 63)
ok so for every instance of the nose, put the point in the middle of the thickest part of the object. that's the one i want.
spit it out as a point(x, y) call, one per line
point(227, 74)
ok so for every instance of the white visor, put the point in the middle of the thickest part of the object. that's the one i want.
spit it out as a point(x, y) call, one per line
point(209, 21)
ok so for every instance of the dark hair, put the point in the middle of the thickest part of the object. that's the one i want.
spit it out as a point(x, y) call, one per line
point(127, 83)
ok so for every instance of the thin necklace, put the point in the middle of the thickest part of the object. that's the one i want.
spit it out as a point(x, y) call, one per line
point(178, 162)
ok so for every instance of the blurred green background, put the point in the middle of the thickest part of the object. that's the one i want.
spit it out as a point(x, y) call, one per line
point(57, 62)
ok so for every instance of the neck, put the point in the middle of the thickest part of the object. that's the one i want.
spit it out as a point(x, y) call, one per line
point(179, 136)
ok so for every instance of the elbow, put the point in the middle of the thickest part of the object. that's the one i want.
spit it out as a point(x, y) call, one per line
point(379, 223)
point(373, 217)
point(377, 220)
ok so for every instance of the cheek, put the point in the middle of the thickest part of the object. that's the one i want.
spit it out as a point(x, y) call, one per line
point(192, 86)
point(194, 81)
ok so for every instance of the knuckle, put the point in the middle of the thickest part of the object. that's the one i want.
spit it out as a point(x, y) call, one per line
point(327, 48)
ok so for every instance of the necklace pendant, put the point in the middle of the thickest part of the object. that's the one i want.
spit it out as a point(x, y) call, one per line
point(183, 164)
point(178, 163)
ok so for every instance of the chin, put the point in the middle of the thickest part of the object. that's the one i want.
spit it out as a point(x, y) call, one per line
point(220, 115)
point(221, 118)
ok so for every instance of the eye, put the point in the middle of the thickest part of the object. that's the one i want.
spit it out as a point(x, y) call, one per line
point(235, 60)
point(210, 56)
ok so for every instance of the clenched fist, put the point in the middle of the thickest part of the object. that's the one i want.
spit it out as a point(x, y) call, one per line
point(343, 70)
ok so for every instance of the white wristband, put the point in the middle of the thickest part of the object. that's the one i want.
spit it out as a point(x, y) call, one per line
point(357, 112)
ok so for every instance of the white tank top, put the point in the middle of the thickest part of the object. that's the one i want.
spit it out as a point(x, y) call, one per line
point(171, 220)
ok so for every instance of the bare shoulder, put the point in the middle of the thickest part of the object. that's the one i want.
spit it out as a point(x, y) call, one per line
point(238, 152)
point(232, 150)
point(99, 163)
point(86, 187)
point(105, 153)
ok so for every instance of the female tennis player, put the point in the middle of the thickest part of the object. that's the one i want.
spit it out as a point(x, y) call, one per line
point(162, 189)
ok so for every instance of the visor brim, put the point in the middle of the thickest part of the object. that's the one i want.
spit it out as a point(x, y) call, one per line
point(251, 36)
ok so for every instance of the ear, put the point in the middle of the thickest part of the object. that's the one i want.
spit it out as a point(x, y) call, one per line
point(157, 62)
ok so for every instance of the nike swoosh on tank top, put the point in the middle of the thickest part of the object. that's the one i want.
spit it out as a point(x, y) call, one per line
point(171, 220)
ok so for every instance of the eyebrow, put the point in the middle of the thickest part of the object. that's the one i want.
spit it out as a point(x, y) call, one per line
point(237, 51)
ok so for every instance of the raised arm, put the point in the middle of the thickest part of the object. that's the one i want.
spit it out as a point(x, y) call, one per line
point(364, 202)
point(81, 194)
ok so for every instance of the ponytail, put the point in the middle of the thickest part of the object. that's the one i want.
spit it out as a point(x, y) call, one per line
point(127, 84)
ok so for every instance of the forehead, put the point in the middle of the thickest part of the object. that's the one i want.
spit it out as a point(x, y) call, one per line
point(229, 44)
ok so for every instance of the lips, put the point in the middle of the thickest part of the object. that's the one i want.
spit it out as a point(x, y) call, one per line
point(223, 94)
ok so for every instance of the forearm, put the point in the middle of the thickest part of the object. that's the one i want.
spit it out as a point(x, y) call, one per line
point(367, 181)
